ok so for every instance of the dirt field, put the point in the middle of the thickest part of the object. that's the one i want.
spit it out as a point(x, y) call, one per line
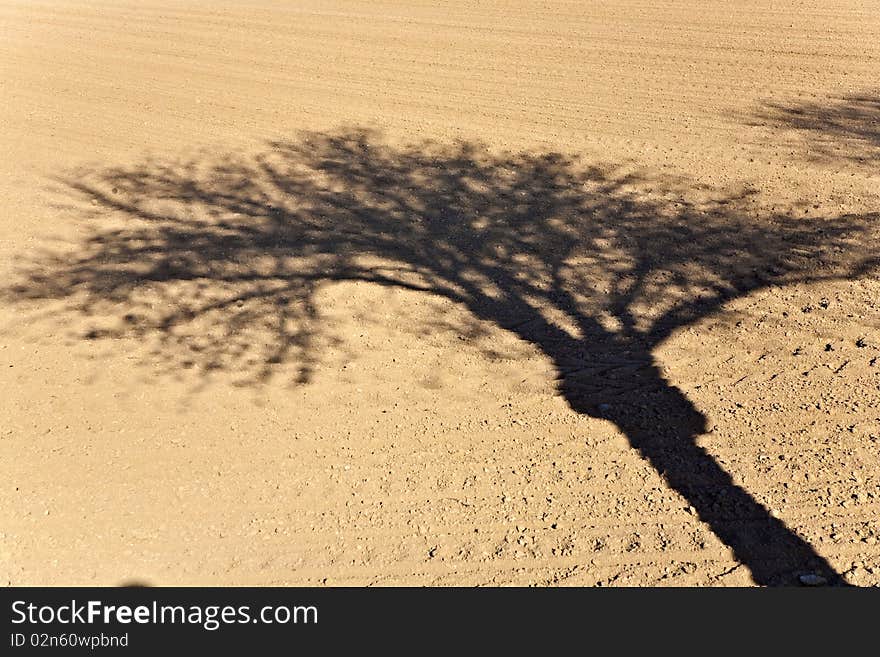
point(432, 292)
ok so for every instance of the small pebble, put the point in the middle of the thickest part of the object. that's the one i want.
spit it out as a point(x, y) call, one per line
point(812, 579)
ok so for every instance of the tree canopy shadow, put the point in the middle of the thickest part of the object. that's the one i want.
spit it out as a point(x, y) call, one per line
point(580, 260)
point(846, 127)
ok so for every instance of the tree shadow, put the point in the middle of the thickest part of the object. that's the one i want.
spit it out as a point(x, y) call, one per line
point(593, 265)
point(846, 127)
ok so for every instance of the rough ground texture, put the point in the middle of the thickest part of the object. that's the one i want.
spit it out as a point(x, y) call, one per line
point(475, 293)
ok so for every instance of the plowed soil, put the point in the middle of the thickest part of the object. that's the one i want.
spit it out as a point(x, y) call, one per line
point(437, 292)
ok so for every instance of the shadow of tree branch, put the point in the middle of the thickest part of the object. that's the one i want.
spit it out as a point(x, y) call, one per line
point(843, 128)
point(220, 259)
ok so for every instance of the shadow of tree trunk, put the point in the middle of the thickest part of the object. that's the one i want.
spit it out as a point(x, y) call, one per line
point(620, 383)
point(217, 262)
point(664, 429)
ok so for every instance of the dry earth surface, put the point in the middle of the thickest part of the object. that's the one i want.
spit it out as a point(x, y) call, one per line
point(439, 292)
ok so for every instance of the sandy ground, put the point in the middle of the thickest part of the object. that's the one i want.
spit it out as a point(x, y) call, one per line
point(439, 292)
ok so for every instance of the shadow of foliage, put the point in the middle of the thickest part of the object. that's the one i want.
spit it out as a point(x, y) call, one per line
point(843, 128)
point(220, 258)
